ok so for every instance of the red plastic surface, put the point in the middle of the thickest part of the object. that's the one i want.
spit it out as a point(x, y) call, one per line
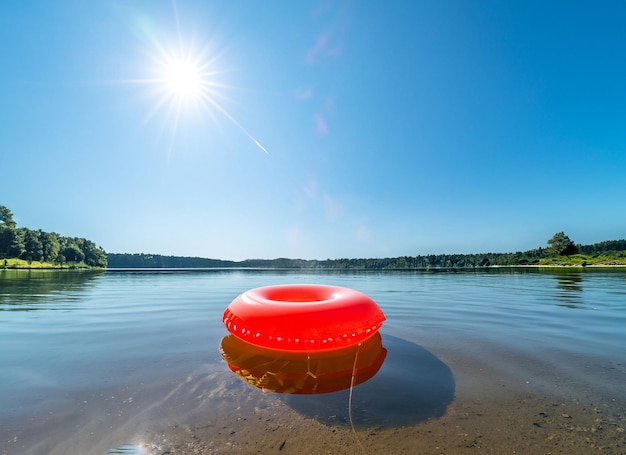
point(303, 317)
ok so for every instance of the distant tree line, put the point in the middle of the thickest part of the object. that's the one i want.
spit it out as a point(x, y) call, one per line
point(607, 247)
point(37, 245)
point(155, 261)
point(405, 262)
point(395, 263)
point(559, 245)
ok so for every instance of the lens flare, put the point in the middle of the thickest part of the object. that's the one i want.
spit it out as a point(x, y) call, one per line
point(186, 77)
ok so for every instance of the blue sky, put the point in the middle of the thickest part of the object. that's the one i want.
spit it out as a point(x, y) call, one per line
point(315, 129)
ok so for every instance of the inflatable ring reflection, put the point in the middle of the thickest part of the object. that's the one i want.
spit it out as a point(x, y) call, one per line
point(303, 373)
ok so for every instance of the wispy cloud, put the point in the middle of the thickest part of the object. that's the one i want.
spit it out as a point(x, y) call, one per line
point(314, 52)
point(303, 93)
point(321, 118)
point(305, 196)
point(310, 189)
point(321, 126)
point(363, 233)
point(310, 198)
point(326, 45)
point(332, 207)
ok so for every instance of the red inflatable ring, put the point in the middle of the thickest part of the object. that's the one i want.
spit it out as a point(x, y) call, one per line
point(303, 317)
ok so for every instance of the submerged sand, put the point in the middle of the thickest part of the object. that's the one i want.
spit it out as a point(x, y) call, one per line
point(489, 414)
point(449, 403)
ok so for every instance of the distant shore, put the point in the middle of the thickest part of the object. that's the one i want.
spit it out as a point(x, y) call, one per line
point(566, 266)
point(57, 267)
point(444, 262)
point(21, 264)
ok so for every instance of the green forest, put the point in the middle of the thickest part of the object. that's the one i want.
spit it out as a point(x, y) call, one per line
point(21, 247)
point(560, 251)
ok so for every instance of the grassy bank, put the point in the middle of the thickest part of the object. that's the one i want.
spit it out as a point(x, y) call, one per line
point(583, 260)
point(22, 264)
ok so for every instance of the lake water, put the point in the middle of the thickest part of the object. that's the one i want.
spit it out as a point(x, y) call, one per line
point(495, 361)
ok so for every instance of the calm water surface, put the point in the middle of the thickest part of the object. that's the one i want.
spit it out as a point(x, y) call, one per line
point(90, 359)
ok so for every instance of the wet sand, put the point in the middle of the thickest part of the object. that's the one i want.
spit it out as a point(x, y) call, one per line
point(519, 424)
point(490, 414)
point(453, 402)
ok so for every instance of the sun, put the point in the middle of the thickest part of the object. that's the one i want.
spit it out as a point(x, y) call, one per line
point(186, 76)
point(183, 78)
point(186, 80)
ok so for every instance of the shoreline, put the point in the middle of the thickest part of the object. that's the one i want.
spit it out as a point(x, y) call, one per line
point(300, 269)
point(564, 266)
point(296, 269)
